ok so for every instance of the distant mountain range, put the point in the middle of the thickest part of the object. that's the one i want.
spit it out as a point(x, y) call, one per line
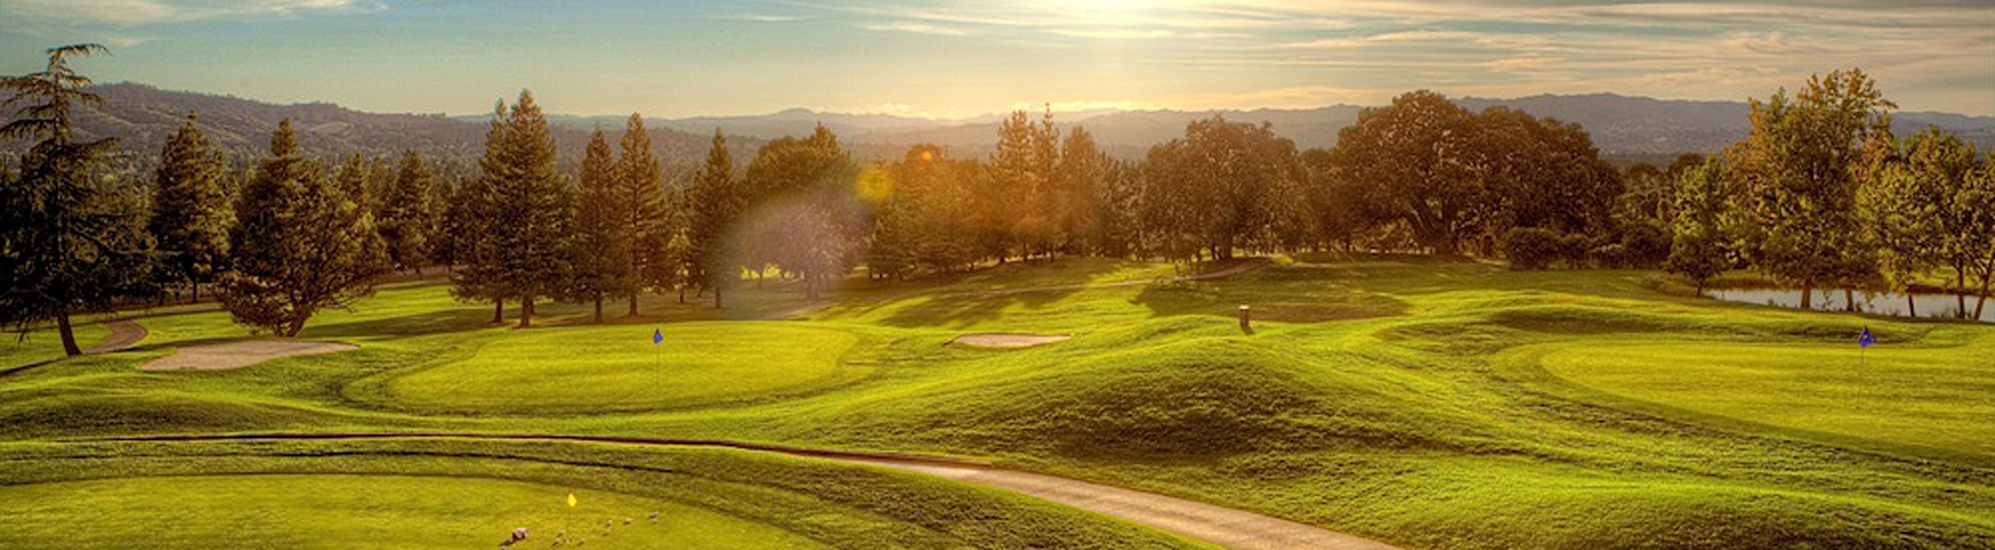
point(1623, 127)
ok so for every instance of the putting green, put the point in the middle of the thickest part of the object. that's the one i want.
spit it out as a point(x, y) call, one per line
point(1932, 397)
point(617, 367)
point(349, 511)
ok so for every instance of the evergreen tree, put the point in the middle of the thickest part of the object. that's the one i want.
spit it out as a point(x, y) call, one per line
point(472, 221)
point(530, 210)
point(716, 204)
point(408, 216)
point(1076, 192)
point(191, 213)
point(642, 217)
point(1011, 214)
point(301, 244)
point(601, 261)
point(68, 240)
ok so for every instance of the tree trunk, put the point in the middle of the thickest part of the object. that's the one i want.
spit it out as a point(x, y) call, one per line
point(68, 335)
point(498, 311)
point(716, 297)
point(1849, 299)
point(196, 285)
point(1983, 300)
point(1960, 289)
point(296, 326)
point(419, 270)
point(682, 295)
point(633, 304)
point(526, 312)
point(599, 310)
point(1911, 306)
point(1807, 295)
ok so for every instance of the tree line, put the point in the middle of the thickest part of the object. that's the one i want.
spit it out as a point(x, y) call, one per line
point(1818, 194)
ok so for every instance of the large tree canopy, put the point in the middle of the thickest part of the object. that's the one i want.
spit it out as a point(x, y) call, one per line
point(68, 241)
point(302, 244)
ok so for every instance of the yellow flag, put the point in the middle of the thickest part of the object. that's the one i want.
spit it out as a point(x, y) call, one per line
point(571, 500)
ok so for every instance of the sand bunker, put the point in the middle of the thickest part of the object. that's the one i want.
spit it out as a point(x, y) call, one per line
point(1008, 340)
point(240, 354)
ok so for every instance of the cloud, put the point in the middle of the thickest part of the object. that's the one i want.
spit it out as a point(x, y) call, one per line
point(132, 13)
point(918, 28)
point(758, 17)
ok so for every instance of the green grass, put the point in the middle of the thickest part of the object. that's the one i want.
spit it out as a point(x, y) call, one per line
point(1927, 396)
point(1428, 403)
point(347, 511)
point(31, 347)
point(460, 493)
point(618, 367)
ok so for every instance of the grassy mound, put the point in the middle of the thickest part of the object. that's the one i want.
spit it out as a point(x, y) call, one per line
point(1194, 400)
point(617, 367)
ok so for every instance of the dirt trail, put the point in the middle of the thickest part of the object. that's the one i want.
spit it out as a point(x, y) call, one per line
point(124, 334)
point(1227, 527)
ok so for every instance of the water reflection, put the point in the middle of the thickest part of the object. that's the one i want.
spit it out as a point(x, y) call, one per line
point(1882, 303)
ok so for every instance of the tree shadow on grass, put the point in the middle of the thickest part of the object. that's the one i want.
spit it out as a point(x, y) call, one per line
point(1279, 294)
point(954, 309)
point(419, 324)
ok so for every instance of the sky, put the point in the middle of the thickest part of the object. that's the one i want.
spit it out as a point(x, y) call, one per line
point(956, 58)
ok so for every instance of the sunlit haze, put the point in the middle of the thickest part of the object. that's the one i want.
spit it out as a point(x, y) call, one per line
point(958, 58)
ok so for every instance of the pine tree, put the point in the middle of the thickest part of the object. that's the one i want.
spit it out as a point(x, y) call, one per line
point(530, 210)
point(191, 213)
point(301, 244)
point(355, 179)
point(602, 249)
point(1076, 192)
point(408, 219)
point(68, 240)
point(716, 203)
point(471, 222)
point(640, 208)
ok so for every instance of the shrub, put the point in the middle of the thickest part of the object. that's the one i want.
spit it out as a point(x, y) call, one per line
point(1533, 247)
point(1646, 244)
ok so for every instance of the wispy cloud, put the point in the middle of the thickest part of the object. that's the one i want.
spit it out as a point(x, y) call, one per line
point(758, 17)
point(129, 13)
point(916, 27)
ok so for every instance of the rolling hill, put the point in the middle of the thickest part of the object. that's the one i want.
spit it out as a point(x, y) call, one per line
point(1623, 127)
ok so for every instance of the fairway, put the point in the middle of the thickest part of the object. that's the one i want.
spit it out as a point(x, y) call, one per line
point(1421, 403)
point(618, 367)
point(349, 511)
point(1929, 396)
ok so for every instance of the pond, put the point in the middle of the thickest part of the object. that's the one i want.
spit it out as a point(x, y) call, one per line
point(1881, 303)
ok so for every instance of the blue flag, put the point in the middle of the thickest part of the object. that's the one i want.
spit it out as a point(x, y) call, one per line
point(1866, 339)
point(658, 335)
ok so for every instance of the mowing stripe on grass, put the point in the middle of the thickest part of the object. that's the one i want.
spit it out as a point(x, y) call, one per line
point(1219, 525)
